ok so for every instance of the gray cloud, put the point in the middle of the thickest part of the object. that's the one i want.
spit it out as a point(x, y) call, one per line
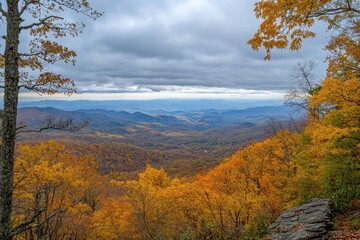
point(199, 43)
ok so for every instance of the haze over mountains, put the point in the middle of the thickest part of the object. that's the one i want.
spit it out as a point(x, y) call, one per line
point(160, 115)
point(183, 136)
point(153, 106)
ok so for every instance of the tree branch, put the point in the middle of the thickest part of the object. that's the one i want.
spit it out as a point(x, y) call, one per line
point(53, 124)
point(85, 11)
point(27, 4)
point(25, 224)
point(2, 11)
point(335, 11)
point(29, 54)
point(41, 22)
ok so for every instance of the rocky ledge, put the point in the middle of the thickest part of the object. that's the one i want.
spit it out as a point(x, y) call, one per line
point(309, 221)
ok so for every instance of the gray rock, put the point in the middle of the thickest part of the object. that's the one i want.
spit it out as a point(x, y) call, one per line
point(309, 221)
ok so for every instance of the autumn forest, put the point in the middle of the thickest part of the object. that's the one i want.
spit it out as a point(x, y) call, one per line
point(191, 172)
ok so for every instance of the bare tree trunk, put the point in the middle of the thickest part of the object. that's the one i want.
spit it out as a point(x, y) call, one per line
point(11, 93)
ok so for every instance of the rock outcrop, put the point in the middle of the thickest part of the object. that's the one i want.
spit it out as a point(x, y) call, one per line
point(309, 221)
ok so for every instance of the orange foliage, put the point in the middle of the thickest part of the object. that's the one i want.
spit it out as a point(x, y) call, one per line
point(54, 190)
point(223, 203)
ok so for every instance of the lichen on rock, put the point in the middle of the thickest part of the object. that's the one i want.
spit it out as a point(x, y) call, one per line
point(309, 221)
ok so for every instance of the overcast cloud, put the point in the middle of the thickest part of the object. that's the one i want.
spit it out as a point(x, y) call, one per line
point(172, 45)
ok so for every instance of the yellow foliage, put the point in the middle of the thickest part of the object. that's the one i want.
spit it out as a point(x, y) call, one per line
point(222, 203)
point(338, 120)
point(53, 186)
point(332, 134)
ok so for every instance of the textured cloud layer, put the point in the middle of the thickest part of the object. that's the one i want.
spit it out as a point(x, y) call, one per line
point(143, 45)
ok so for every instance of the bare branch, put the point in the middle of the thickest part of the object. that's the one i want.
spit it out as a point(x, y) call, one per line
point(305, 85)
point(29, 54)
point(41, 22)
point(335, 11)
point(19, 180)
point(273, 126)
point(21, 127)
point(24, 226)
point(2, 11)
point(27, 4)
point(73, 5)
point(52, 124)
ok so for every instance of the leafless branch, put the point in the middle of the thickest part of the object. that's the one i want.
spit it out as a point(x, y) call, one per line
point(273, 126)
point(53, 124)
point(29, 54)
point(41, 22)
point(73, 6)
point(305, 85)
point(25, 225)
point(2, 11)
point(19, 180)
point(27, 4)
point(335, 11)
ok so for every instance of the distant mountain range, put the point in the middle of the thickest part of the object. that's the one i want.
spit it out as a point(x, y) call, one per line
point(180, 141)
point(154, 106)
point(123, 121)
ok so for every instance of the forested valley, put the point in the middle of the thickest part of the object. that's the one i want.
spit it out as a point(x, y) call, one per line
point(194, 174)
point(99, 186)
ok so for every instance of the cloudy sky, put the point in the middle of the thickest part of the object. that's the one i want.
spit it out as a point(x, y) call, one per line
point(180, 48)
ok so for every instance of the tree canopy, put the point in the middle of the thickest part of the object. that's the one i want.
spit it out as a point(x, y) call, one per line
point(26, 66)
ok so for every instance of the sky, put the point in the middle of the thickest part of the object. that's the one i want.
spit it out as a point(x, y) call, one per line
point(146, 49)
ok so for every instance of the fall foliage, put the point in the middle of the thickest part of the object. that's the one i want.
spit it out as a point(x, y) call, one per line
point(55, 191)
point(330, 160)
point(253, 184)
point(62, 195)
point(28, 70)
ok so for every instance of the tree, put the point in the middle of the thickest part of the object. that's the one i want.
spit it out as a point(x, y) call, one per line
point(43, 21)
point(332, 133)
point(149, 203)
point(287, 22)
point(55, 192)
point(254, 181)
point(305, 86)
point(335, 139)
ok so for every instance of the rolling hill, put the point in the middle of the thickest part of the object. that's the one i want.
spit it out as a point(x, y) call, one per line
point(181, 141)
